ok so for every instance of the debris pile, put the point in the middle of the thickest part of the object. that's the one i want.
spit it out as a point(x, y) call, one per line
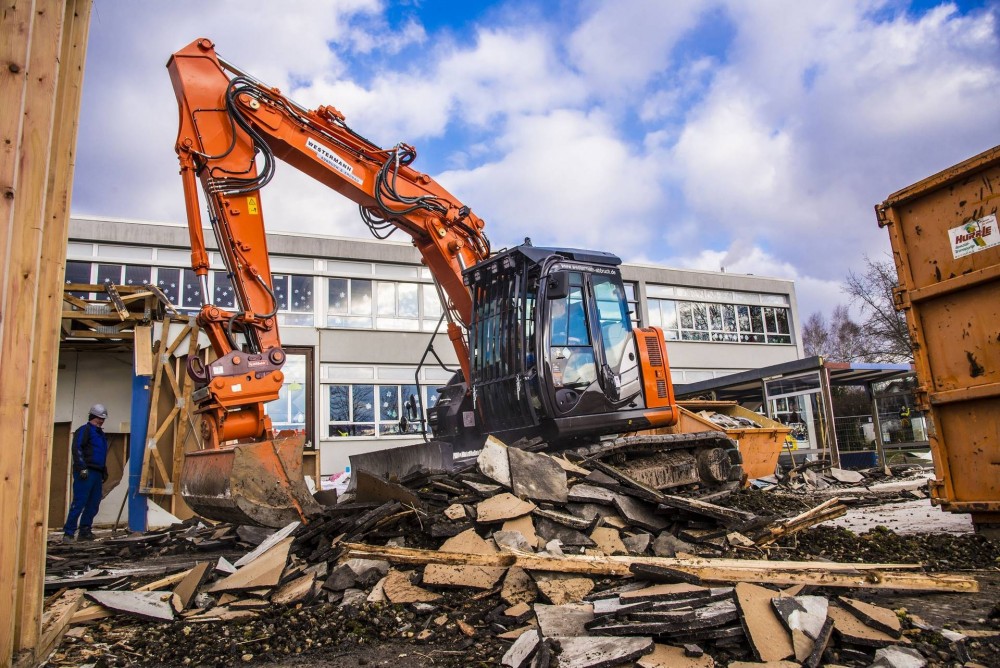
point(524, 559)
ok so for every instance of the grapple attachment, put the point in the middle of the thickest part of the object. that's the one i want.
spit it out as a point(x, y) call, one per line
point(250, 483)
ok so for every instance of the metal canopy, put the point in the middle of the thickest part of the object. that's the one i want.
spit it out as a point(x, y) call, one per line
point(747, 385)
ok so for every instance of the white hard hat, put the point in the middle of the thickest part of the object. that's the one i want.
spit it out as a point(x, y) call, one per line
point(98, 410)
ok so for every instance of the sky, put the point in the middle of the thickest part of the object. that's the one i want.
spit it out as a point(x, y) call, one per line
point(750, 136)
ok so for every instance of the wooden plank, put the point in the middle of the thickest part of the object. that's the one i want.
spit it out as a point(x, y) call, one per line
point(55, 621)
point(143, 347)
point(186, 589)
point(777, 572)
point(263, 572)
point(15, 41)
point(22, 266)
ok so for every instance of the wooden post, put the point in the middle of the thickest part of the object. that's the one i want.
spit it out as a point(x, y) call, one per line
point(41, 406)
point(15, 41)
point(42, 47)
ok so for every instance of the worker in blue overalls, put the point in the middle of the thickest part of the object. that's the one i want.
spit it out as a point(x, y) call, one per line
point(90, 454)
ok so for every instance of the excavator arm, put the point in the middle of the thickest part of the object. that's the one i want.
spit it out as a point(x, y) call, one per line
point(232, 131)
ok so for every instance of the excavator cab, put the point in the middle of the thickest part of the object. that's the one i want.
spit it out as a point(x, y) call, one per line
point(554, 355)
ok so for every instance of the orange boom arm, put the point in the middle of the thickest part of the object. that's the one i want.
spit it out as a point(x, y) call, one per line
point(232, 130)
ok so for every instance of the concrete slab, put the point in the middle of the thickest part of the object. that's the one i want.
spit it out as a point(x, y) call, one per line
point(521, 651)
point(560, 621)
point(224, 567)
point(768, 637)
point(493, 461)
point(883, 619)
point(639, 513)
point(513, 540)
point(804, 613)
point(852, 630)
point(399, 589)
point(518, 587)
point(377, 594)
point(455, 511)
point(516, 633)
point(482, 488)
point(584, 493)
point(295, 591)
point(536, 476)
point(668, 656)
point(608, 540)
point(666, 592)
point(263, 572)
point(598, 652)
point(550, 530)
point(152, 605)
point(638, 544)
point(565, 590)
point(898, 657)
point(526, 526)
point(186, 588)
point(518, 611)
point(843, 475)
point(502, 507)
point(479, 577)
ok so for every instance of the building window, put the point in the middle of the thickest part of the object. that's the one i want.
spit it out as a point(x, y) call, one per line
point(386, 305)
point(349, 303)
point(720, 323)
point(289, 410)
point(294, 295)
point(222, 290)
point(79, 273)
point(375, 410)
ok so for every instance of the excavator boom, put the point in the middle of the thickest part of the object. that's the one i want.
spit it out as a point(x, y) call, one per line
point(544, 337)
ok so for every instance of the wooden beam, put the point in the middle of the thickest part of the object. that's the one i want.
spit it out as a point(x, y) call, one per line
point(15, 41)
point(19, 302)
point(73, 22)
point(708, 570)
point(57, 618)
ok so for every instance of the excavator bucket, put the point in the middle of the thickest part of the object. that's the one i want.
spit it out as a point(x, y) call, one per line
point(252, 483)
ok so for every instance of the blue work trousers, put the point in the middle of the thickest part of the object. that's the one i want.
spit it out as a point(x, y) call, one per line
point(86, 500)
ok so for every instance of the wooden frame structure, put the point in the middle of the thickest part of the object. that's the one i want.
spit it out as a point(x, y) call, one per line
point(43, 48)
point(172, 426)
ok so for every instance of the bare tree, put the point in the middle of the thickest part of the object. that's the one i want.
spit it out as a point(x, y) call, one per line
point(884, 336)
point(838, 341)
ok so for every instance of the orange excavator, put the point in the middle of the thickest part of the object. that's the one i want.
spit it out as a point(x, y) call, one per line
point(548, 354)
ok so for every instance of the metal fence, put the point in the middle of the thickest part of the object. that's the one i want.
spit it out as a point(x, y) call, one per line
point(856, 433)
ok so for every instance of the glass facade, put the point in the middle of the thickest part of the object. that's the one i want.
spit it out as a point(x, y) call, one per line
point(721, 323)
point(358, 295)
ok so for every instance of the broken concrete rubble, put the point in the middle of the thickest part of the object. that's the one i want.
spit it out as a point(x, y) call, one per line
point(597, 598)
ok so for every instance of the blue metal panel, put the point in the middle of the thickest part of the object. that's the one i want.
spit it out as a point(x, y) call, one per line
point(141, 388)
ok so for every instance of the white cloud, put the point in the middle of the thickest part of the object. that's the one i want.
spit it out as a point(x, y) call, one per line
point(820, 111)
point(592, 129)
point(625, 42)
point(563, 179)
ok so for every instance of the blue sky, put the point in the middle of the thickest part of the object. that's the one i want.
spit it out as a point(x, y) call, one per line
point(754, 136)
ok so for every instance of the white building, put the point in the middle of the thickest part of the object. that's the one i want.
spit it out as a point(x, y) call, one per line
point(356, 317)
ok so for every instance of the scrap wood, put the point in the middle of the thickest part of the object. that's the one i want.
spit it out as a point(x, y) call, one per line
point(56, 618)
point(828, 510)
point(708, 570)
point(728, 516)
point(163, 583)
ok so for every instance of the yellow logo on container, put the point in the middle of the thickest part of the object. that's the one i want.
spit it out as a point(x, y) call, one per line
point(252, 205)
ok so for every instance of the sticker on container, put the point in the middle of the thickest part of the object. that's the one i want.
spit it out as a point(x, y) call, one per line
point(974, 236)
point(468, 419)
